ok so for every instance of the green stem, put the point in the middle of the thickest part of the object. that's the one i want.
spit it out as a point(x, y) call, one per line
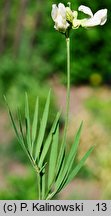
point(62, 149)
point(39, 184)
point(68, 81)
point(68, 89)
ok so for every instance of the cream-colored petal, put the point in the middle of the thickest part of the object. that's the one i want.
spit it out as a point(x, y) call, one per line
point(59, 20)
point(61, 24)
point(62, 10)
point(90, 22)
point(54, 11)
point(102, 15)
point(85, 10)
point(76, 23)
point(75, 14)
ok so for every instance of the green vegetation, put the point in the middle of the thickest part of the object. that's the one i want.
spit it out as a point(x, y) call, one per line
point(20, 187)
point(100, 108)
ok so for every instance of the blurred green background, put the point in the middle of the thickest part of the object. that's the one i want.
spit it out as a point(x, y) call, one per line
point(33, 59)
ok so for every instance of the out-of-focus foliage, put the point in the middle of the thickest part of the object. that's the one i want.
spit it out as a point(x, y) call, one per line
point(99, 106)
point(100, 110)
point(20, 187)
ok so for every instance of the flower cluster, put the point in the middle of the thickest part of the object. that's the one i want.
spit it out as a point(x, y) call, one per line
point(65, 18)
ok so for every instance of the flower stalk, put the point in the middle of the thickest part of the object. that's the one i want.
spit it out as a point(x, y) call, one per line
point(39, 186)
point(68, 88)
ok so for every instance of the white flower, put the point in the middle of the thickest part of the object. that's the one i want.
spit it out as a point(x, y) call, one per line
point(59, 16)
point(99, 18)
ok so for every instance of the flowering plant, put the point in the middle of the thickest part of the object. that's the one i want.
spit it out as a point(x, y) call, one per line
point(55, 173)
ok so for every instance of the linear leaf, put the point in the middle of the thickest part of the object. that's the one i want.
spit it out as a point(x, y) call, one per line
point(50, 195)
point(27, 118)
point(62, 162)
point(12, 120)
point(15, 128)
point(48, 140)
point(35, 122)
point(69, 161)
point(77, 168)
point(42, 127)
point(23, 138)
point(61, 158)
point(20, 126)
point(53, 156)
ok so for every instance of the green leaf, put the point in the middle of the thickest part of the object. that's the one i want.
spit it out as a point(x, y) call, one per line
point(27, 118)
point(53, 157)
point(69, 160)
point(42, 128)
point(23, 138)
point(14, 126)
point(61, 158)
point(34, 124)
point(77, 168)
point(12, 120)
point(48, 140)
point(20, 127)
point(50, 195)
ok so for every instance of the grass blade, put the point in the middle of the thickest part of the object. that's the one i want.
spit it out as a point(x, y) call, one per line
point(48, 140)
point(60, 159)
point(77, 168)
point(21, 141)
point(35, 122)
point(12, 120)
point(53, 157)
point(20, 126)
point(27, 118)
point(69, 161)
point(23, 138)
point(42, 128)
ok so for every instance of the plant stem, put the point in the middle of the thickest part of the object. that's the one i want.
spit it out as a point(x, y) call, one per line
point(39, 184)
point(68, 81)
point(62, 149)
point(68, 88)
